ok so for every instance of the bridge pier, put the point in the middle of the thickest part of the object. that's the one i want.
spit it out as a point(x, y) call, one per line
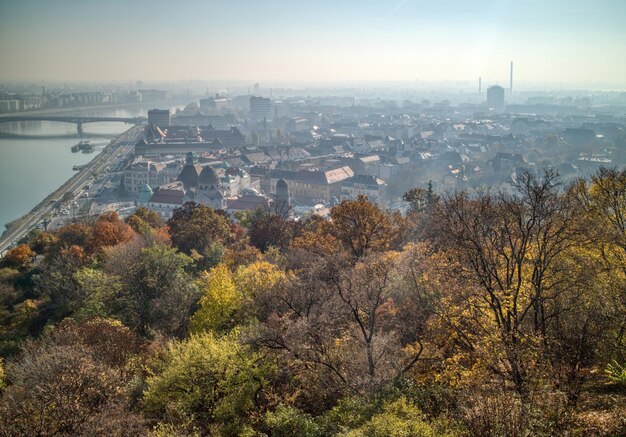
point(79, 128)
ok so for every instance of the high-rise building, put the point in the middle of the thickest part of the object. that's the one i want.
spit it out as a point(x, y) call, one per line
point(260, 108)
point(495, 98)
point(159, 117)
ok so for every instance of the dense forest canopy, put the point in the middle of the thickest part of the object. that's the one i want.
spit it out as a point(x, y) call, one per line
point(476, 314)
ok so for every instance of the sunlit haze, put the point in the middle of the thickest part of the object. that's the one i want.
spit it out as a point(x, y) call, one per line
point(559, 41)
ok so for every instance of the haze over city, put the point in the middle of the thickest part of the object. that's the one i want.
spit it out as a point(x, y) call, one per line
point(313, 218)
point(561, 42)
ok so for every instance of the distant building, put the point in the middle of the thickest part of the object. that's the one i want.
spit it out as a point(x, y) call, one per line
point(495, 98)
point(219, 122)
point(165, 199)
point(215, 104)
point(184, 139)
point(209, 191)
point(370, 186)
point(260, 108)
point(154, 174)
point(159, 117)
point(190, 172)
point(309, 187)
point(250, 200)
point(10, 105)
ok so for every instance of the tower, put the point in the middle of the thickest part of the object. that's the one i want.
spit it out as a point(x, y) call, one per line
point(511, 80)
point(282, 199)
point(480, 85)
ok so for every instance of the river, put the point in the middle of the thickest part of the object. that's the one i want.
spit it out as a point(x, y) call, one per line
point(30, 169)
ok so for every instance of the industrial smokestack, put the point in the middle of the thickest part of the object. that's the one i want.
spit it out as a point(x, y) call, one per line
point(511, 79)
point(480, 80)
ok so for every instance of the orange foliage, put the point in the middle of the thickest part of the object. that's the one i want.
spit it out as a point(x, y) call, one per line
point(109, 230)
point(19, 256)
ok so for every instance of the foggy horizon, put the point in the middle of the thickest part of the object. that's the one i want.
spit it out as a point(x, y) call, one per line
point(315, 42)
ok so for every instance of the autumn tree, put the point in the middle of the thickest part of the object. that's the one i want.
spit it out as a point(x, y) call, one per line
point(197, 227)
point(43, 241)
point(156, 292)
point(55, 282)
point(219, 302)
point(20, 256)
point(144, 216)
point(267, 230)
point(69, 381)
point(362, 227)
point(603, 202)
point(109, 230)
point(509, 249)
point(76, 234)
point(336, 323)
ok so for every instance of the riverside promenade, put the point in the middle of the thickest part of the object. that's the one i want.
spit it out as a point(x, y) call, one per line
point(72, 187)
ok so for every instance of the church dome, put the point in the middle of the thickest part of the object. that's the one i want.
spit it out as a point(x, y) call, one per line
point(145, 194)
point(208, 177)
point(189, 176)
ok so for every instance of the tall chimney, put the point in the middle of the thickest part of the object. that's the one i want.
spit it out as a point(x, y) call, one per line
point(511, 79)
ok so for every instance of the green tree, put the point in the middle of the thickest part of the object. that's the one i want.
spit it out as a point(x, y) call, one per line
point(98, 290)
point(212, 382)
point(156, 294)
point(399, 419)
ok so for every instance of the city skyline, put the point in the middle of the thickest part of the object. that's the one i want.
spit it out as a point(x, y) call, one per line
point(314, 41)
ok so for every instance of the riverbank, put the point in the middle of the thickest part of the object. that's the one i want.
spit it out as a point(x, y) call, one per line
point(70, 189)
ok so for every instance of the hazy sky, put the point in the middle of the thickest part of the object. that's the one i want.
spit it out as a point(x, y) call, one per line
point(314, 40)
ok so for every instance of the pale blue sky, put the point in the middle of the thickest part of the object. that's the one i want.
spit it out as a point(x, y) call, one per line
point(314, 40)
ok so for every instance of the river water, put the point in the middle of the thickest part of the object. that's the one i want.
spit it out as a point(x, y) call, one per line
point(30, 169)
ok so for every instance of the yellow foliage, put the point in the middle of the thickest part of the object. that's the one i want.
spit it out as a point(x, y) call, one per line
point(256, 277)
point(219, 302)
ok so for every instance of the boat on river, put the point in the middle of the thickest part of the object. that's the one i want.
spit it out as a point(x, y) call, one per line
point(84, 146)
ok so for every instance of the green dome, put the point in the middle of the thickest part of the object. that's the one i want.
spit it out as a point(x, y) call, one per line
point(145, 194)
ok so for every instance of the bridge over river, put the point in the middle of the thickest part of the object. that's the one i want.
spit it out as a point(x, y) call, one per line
point(78, 120)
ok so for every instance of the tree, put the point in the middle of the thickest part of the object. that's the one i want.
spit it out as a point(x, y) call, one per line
point(75, 234)
point(397, 419)
point(55, 283)
point(362, 227)
point(336, 324)
point(271, 230)
point(67, 383)
point(219, 302)
point(197, 227)
point(508, 249)
point(20, 256)
point(109, 230)
point(147, 216)
point(43, 241)
point(212, 383)
point(416, 198)
point(98, 292)
point(156, 294)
